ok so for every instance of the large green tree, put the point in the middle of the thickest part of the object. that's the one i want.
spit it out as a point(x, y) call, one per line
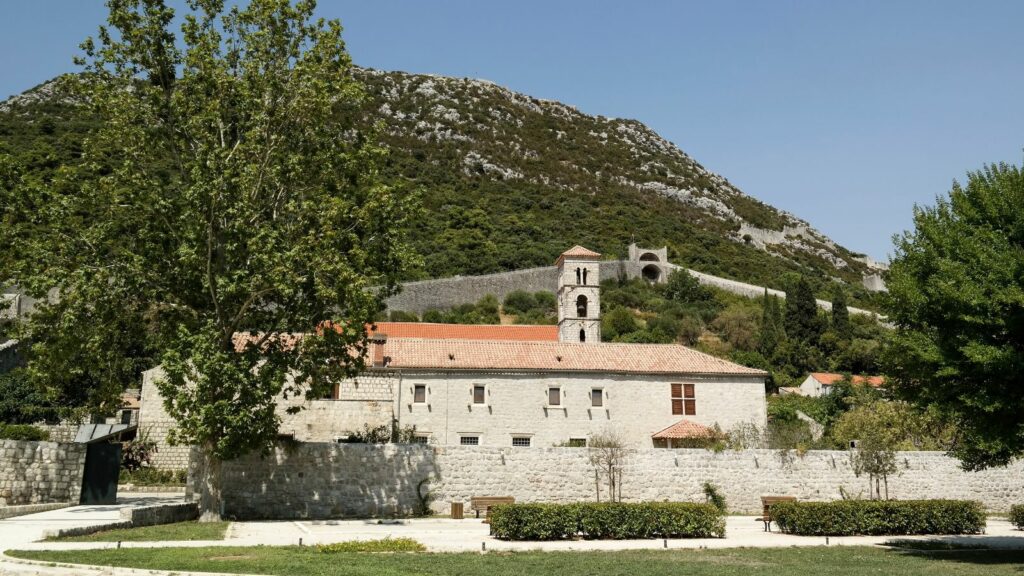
point(956, 297)
point(226, 201)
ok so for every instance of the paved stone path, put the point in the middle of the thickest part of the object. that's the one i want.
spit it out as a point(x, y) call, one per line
point(441, 535)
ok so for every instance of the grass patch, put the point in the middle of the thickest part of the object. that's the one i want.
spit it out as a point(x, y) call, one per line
point(383, 545)
point(827, 561)
point(161, 533)
point(933, 545)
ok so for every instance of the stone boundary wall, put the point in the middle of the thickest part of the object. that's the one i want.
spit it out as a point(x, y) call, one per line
point(40, 472)
point(444, 293)
point(321, 480)
point(160, 514)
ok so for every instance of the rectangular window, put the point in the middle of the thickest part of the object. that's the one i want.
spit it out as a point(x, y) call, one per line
point(419, 395)
point(469, 440)
point(597, 397)
point(554, 396)
point(126, 417)
point(479, 396)
point(684, 401)
point(577, 442)
point(521, 441)
point(420, 439)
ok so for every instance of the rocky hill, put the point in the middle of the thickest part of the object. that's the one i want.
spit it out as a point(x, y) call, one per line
point(509, 181)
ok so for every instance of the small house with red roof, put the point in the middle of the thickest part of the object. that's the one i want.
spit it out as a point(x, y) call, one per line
point(522, 386)
point(821, 383)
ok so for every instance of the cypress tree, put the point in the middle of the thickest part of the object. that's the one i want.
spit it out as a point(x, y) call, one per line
point(802, 322)
point(772, 333)
point(840, 315)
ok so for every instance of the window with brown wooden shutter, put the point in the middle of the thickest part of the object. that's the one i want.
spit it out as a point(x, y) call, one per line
point(419, 395)
point(554, 396)
point(479, 396)
point(684, 401)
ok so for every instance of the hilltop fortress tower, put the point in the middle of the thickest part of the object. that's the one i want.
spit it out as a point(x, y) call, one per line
point(579, 295)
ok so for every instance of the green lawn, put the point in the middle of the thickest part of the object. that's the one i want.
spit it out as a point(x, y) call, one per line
point(163, 532)
point(827, 561)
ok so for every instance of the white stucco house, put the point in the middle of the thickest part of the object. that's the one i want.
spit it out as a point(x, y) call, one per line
point(821, 383)
point(522, 386)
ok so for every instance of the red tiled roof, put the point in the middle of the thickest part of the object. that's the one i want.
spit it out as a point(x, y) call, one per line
point(540, 355)
point(684, 429)
point(556, 356)
point(519, 332)
point(579, 253)
point(828, 379)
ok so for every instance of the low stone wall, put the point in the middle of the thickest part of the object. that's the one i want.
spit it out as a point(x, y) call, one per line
point(160, 514)
point(13, 511)
point(40, 472)
point(337, 480)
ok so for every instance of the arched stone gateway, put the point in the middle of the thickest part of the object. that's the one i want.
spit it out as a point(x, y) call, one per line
point(652, 273)
point(649, 257)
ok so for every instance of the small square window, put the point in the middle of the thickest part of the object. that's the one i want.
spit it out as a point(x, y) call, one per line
point(469, 440)
point(479, 394)
point(554, 396)
point(419, 395)
point(577, 442)
point(521, 441)
point(597, 397)
point(421, 439)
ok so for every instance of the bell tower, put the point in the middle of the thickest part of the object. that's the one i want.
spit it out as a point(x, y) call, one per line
point(579, 292)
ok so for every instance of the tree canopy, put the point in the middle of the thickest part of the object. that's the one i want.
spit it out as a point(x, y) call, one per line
point(226, 199)
point(956, 297)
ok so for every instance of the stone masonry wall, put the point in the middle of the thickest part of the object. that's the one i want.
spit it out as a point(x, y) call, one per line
point(40, 472)
point(336, 480)
point(446, 293)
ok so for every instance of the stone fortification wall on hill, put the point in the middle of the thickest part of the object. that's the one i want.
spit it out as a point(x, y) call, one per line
point(446, 293)
point(40, 472)
point(366, 480)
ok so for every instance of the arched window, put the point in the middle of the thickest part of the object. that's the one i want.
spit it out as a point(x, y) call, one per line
point(577, 275)
point(581, 306)
point(583, 335)
point(584, 276)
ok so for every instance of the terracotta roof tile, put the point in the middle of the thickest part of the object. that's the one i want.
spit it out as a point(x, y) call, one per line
point(556, 356)
point(520, 332)
point(684, 429)
point(828, 379)
point(578, 252)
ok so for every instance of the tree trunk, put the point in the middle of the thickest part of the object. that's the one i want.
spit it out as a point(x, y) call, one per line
point(207, 486)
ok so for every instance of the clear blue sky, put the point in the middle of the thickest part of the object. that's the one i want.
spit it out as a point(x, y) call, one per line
point(844, 113)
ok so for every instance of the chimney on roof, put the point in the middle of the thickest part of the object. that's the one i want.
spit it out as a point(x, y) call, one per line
point(377, 342)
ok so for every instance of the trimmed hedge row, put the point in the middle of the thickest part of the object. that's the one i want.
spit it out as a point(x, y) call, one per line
point(879, 517)
point(1017, 516)
point(606, 521)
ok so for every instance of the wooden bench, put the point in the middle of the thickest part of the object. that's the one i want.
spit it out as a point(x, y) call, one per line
point(767, 502)
point(478, 503)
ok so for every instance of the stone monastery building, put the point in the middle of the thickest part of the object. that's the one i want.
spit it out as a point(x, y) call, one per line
point(520, 386)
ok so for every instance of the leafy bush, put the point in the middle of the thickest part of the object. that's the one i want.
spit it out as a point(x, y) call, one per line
point(138, 453)
point(606, 521)
point(879, 517)
point(1017, 516)
point(153, 477)
point(382, 545)
point(22, 432)
point(714, 497)
point(535, 521)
